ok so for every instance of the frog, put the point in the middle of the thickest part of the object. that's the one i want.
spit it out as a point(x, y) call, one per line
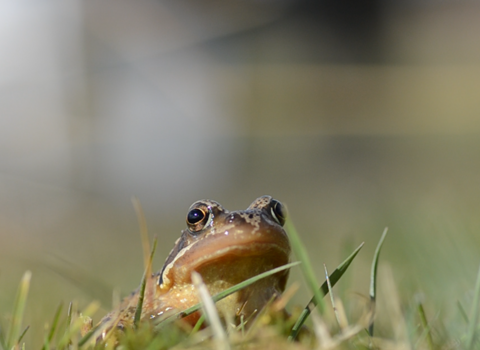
point(225, 248)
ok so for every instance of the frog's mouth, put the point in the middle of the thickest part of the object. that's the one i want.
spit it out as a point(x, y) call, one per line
point(235, 255)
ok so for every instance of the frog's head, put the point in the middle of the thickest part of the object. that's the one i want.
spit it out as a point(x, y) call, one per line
point(223, 245)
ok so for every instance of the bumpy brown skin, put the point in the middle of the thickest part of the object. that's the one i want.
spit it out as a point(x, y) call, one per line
point(226, 248)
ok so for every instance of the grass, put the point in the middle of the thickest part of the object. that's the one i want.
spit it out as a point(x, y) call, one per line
point(15, 335)
point(373, 276)
point(473, 326)
point(319, 325)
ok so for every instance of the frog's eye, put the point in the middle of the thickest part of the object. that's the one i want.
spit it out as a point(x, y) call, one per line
point(197, 219)
point(278, 212)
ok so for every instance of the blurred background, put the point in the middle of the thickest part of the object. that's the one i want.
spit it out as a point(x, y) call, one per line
point(357, 114)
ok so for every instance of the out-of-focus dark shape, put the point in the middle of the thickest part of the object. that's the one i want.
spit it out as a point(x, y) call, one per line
point(310, 32)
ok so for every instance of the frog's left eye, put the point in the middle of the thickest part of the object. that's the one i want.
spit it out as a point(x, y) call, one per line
point(197, 219)
point(278, 211)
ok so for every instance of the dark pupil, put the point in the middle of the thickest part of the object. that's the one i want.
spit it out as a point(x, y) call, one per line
point(195, 215)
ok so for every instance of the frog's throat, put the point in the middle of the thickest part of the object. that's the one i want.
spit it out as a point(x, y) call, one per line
point(272, 245)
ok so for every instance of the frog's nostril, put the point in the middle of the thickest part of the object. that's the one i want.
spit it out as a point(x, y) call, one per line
point(235, 218)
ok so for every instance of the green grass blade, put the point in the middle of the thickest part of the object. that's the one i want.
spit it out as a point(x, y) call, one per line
point(252, 280)
point(69, 321)
point(198, 325)
point(18, 310)
point(146, 275)
point(56, 318)
point(3, 344)
point(373, 276)
point(472, 327)
point(334, 277)
point(462, 311)
point(69, 313)
point(142, 223)
point(87, 336)
point(330, 292)
point(23, 334)
point(426, 326)
point(224, 294)
point(46, 344)
point(345, 248)
point(307, 269)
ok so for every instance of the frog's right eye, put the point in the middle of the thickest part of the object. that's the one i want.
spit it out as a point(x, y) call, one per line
point(195, 216)
point(197, 219)
point(278, 211)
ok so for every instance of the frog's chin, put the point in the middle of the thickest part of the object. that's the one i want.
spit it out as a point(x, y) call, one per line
point(227, 268)
point(242, 256)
